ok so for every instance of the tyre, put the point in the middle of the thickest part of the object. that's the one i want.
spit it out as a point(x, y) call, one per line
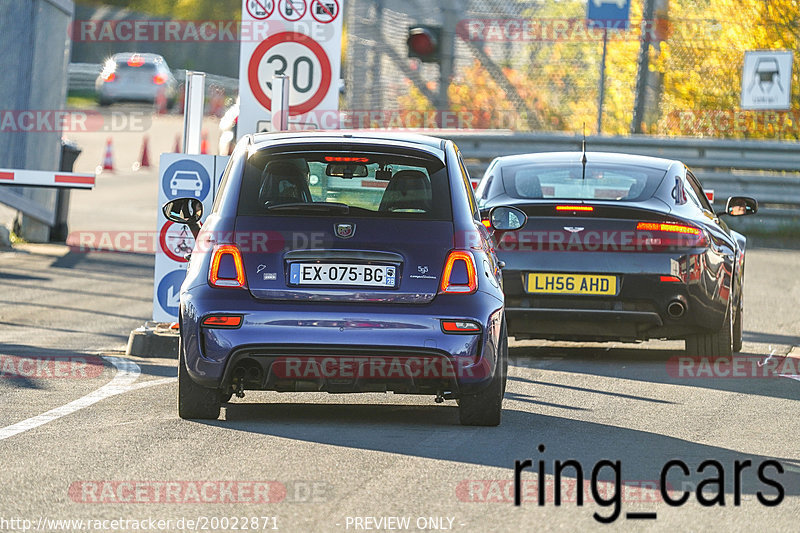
point(718, 343)
point(486, 407)
point(195, 401)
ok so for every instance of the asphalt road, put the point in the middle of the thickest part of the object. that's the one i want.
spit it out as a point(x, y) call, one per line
point(91, 435)
point(333, 459)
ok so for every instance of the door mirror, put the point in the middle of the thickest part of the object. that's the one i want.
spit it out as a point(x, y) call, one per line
point(741, 205)
point(504, 218)
point(183, 210)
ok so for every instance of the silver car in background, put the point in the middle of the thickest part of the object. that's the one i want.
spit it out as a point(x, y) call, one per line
point(136, 77)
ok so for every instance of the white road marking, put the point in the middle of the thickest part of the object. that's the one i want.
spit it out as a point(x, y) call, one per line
point(127, 373)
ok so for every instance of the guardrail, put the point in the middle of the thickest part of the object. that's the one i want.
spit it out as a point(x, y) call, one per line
point(766, 170)
point(81, 77)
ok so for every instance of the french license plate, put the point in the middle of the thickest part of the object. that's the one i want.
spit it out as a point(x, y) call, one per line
point(342, 274)
point(547, 283)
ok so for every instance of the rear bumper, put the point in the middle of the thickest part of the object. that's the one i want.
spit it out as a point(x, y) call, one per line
point(340, 347)
point(639, 311)
point(348, 369)
point(137, 92)
point(581, 324)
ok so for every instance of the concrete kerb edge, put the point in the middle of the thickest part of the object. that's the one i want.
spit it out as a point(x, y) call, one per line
point(153, 339)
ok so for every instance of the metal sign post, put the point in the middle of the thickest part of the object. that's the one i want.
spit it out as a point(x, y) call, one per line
point(607, 15)
point(193, 111)
point(602, 90)
point(280, 103)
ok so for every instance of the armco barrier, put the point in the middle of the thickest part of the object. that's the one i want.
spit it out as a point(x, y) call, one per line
point(766, 170)
point(82, 76)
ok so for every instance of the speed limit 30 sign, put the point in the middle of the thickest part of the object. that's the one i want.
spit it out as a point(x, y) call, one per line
point(304, 41)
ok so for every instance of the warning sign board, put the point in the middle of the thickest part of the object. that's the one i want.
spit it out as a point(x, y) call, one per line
point(767, 79)
point(305, 44)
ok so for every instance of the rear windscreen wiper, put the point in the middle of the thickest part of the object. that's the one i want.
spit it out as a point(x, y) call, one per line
point(311, 206)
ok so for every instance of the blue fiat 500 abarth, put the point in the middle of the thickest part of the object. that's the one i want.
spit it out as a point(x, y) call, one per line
point(343, 262)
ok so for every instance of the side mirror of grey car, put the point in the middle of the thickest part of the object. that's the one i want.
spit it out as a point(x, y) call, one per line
point(505, 218)
point(741, 205)
point(187, 211)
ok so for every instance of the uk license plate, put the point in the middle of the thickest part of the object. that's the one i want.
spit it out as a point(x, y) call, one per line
point(549, 283)
point(342, 274)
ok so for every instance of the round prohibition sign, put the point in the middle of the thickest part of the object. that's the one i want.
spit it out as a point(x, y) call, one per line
point(260, 9)
point(324, 11)
point(292, 10)
point(301, 39)
point(184, 246)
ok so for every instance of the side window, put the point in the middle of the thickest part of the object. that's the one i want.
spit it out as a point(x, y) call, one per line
point(473, 205)
point(222, 185)
point(690, 194)
point(482, 192)
point(698, 191)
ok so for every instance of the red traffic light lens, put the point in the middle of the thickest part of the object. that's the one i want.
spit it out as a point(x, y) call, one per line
point(422, 42)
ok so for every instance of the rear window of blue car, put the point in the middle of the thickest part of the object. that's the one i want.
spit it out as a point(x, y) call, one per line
point(324, 182)
point(570, 182)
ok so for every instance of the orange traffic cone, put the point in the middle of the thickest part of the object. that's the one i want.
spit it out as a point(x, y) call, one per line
point(108, 159)
point(217, 103)
point(177, 149)
point(144, 161)
point(161, 102)
point(181, 98)
point(204, 144)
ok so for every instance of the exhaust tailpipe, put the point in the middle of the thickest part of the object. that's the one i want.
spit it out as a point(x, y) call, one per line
point(253, 374)
point(676, 309)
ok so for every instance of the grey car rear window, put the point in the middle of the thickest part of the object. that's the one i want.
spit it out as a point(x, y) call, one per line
point(600, 181)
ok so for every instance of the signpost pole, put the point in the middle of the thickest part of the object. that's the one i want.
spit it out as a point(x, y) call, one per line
point(602, 83)
point(280, 103)
point(447, 54)
point(193, 111)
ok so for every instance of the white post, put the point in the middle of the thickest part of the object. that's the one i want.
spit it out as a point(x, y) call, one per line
point(280, 103)
point(193, 111)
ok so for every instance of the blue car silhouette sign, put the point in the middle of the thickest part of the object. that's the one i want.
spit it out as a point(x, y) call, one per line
point(186, 178)
point(609, 13)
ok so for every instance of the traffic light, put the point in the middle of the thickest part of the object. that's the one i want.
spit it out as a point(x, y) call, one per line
point(423, 43)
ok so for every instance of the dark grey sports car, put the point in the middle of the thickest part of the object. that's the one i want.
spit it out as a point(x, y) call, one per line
point(617, 247)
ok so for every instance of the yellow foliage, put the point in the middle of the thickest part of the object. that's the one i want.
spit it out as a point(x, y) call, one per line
point(697, 70)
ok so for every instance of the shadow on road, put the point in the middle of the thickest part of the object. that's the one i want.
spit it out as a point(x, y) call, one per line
point(10, 372)
point(647, 366)
point(433, 432)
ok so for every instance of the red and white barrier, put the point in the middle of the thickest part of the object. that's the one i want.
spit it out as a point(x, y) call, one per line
point(44, 178)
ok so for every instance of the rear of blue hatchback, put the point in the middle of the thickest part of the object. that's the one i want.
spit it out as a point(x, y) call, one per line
point(344, 264)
